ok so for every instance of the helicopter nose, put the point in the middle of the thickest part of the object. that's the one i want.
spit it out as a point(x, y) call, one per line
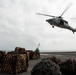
point(46, 20)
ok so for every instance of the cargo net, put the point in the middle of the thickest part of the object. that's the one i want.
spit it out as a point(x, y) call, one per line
point(14, 63)
point(46, 67)
point(67, 66)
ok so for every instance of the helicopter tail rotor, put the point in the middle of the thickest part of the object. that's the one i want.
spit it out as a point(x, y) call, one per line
point(74, 30)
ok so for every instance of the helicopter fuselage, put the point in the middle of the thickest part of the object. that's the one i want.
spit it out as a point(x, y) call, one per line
point(60, 22)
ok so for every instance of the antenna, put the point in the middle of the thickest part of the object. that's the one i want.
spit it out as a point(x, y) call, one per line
point(38, 45)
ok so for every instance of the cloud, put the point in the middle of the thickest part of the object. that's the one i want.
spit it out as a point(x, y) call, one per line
point(21, 26)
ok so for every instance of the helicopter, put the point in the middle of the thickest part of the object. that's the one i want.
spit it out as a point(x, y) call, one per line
point(59, 21)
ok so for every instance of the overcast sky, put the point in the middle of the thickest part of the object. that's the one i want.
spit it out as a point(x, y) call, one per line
point(20, 26)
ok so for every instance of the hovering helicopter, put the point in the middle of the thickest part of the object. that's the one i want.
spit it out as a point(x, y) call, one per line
point(59, 21)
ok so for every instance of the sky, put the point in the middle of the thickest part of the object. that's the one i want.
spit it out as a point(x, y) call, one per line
point(20, 26)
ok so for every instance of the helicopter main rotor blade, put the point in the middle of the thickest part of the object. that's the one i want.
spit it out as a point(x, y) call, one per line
point(45, 14)
point(66, 9)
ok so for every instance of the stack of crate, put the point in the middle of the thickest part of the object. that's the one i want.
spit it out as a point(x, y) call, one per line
point(6, 66)
point(21, 64)
point(19, 50)
point(30, 54)
point(14, 63)
point(2, 56)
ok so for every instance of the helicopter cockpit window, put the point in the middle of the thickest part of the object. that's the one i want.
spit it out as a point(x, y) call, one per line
point(66, 22)
point(61, 22)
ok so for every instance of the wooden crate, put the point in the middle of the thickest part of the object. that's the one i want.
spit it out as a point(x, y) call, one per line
point(14, 63)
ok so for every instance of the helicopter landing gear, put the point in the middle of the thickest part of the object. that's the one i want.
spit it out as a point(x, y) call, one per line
point(52, 26)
